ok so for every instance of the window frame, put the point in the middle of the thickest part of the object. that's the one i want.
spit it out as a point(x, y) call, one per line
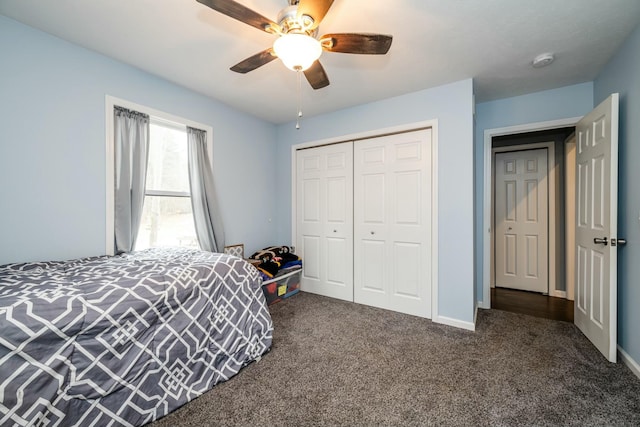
point(155, 115)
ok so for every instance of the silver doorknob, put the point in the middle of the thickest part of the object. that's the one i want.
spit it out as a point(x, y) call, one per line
point(618, 242)
point(335, 231)
point(373, 232)
point(599, 241)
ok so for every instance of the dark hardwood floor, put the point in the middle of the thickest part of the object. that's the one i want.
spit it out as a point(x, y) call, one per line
point(532, 303)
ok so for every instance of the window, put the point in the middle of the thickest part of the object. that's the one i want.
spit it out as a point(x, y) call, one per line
point(167, 216)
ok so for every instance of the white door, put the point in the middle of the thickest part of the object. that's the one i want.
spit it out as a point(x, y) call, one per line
point(392, 222)
point(521, 212)
point(324, 215)
point(596, 226)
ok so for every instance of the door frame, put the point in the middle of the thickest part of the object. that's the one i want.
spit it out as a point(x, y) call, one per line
point(486, 202)
point(570, 213)
point(551, 207)
point(408, 127)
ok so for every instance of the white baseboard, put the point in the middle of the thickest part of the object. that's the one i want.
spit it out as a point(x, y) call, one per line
point(483, 305)
point(628, 360)
point(470, 326)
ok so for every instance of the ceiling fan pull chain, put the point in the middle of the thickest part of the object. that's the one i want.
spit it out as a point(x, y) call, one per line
point(299, 90)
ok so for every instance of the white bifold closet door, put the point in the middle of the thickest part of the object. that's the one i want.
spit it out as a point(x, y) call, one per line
point(392, 222)
point(324, 219)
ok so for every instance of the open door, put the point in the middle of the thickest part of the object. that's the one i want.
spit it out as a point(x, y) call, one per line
point(597, 226)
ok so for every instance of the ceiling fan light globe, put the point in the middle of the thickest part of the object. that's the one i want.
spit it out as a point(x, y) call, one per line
point(297, 51)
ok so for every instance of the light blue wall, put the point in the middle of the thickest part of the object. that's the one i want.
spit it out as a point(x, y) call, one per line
point(52, 148)
point(562, 103)
point(452, 105)
point(622, 75)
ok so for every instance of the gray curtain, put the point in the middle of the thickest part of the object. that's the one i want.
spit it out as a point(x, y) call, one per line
point(131, 141)
point(203, 196)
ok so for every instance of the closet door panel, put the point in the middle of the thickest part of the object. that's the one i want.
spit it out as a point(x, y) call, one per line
point(311, 200)
point(372, 265)
point(392, 203)
point(406, 262)
point(373, 198)
point(338, 270)
point(370, 216)
point(312, 263)
point(336, 198)
point(408, 198)
point(324, 219)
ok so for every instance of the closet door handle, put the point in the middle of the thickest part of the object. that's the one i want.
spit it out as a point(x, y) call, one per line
point(335, 231)
point(373, 232)
point(599, 241)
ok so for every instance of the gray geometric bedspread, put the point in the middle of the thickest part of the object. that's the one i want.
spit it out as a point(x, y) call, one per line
point(124, 340)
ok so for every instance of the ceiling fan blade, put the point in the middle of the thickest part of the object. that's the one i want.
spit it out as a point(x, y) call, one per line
point(316, 9)
point(255, 61)
point(366, 44)
point(241, 13)
point(316, 76)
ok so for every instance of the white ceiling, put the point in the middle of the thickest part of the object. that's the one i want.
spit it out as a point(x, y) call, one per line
point(435, 42)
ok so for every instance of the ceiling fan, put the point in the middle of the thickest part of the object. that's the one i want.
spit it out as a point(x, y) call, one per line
point(298, 45)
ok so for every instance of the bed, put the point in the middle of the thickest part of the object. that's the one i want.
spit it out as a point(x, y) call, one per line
point(124, 340)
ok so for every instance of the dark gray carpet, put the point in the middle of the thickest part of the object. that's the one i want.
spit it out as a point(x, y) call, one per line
point(339, 363)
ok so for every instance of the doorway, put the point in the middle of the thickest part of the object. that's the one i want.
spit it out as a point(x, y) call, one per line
point(596, 192)
point(528, 223)
point(521, 216)
point(487, 223)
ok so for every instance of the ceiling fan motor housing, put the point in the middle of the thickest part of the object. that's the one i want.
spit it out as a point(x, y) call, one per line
point(289, 22)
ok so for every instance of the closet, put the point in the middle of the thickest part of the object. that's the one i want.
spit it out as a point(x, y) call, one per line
point(363, 221)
